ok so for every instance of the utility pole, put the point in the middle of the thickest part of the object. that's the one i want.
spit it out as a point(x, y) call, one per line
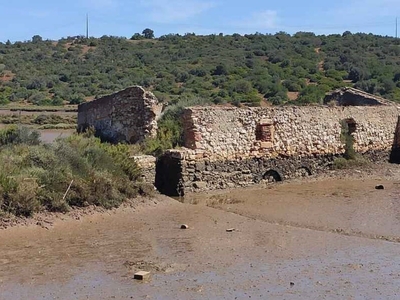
point(87, 26)
point(396, 27)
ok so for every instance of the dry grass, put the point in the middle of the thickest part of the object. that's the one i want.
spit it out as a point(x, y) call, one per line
point(293, 95)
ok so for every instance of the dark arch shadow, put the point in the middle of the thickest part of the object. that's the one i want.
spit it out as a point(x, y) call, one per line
point(274, 174)
point(305, 170)
point(168, 179)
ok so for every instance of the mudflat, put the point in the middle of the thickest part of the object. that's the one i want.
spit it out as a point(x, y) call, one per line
point(320, 238)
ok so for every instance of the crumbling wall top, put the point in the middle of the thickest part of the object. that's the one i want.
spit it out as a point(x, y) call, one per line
point(349, 96)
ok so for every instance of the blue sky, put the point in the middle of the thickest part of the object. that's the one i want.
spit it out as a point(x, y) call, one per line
point(22, 19)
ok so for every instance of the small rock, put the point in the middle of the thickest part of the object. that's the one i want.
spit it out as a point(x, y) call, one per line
point(230, 230)
point(292, 284)
point(141, 275)
point(184, 226)
point(200, 185)
point(380, 187)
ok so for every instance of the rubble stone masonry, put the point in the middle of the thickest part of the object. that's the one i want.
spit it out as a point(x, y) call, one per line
point(126, 116)
point(229, 146)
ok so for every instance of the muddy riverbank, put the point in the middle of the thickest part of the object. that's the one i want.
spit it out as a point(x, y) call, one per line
point(322, 238)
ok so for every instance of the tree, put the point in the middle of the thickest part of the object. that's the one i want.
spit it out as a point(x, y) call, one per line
point(37, 39)
point(148, 33)
point(220, 70)
point(136, 36)
point(346, 33)
point(357, 74)
point(311, 94)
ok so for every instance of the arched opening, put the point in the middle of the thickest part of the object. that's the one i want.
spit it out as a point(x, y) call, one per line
point(168, 179)
point(304, 171)
point(349, 127)
point(272, 176)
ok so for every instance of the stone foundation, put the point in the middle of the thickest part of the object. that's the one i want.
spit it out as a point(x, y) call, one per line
point(178, 174)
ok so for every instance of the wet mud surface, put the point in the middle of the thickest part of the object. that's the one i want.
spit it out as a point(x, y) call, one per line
point(331, 238)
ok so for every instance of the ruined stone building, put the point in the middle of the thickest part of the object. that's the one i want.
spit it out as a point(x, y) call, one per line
point(352, 97)
point(129, 115)
point(234, 147)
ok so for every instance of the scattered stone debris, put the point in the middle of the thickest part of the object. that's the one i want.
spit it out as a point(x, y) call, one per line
point(184, 226)
point(142, 275)
point(380, 187)
point(231, 230)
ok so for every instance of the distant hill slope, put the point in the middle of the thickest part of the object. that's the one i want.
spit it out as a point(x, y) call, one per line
point(214, 68)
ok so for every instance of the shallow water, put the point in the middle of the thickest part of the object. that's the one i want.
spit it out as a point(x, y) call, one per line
point(50, 135)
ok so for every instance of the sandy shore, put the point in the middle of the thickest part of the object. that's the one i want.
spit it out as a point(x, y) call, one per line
point(330, 238)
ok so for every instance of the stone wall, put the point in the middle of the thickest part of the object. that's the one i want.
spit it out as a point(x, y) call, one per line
point(126, 116)
point(147, 165)
point(236, 147)
point(220, 133)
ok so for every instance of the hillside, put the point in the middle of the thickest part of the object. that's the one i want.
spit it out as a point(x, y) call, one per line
point(238, 69)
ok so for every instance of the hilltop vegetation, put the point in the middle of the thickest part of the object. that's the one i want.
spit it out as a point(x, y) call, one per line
point(215, 68)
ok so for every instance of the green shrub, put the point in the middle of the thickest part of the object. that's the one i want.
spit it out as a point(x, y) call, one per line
point(343, 163)
point(19, 135)
point(34, 177)
point(169, 133)
point(348, 140)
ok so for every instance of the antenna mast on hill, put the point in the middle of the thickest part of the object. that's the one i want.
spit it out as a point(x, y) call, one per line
point(396, 27)
point(87, 26)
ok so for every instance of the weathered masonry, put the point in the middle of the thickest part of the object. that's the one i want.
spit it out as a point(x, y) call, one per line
point(352, 97)
point(230, 147)
point(233, 147)
point(129, 115)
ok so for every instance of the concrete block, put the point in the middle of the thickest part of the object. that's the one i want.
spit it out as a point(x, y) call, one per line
point(142, 275)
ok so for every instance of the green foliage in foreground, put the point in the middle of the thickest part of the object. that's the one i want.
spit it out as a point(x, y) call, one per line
point(350, 159)
point(35, 176)
point(356, 162)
